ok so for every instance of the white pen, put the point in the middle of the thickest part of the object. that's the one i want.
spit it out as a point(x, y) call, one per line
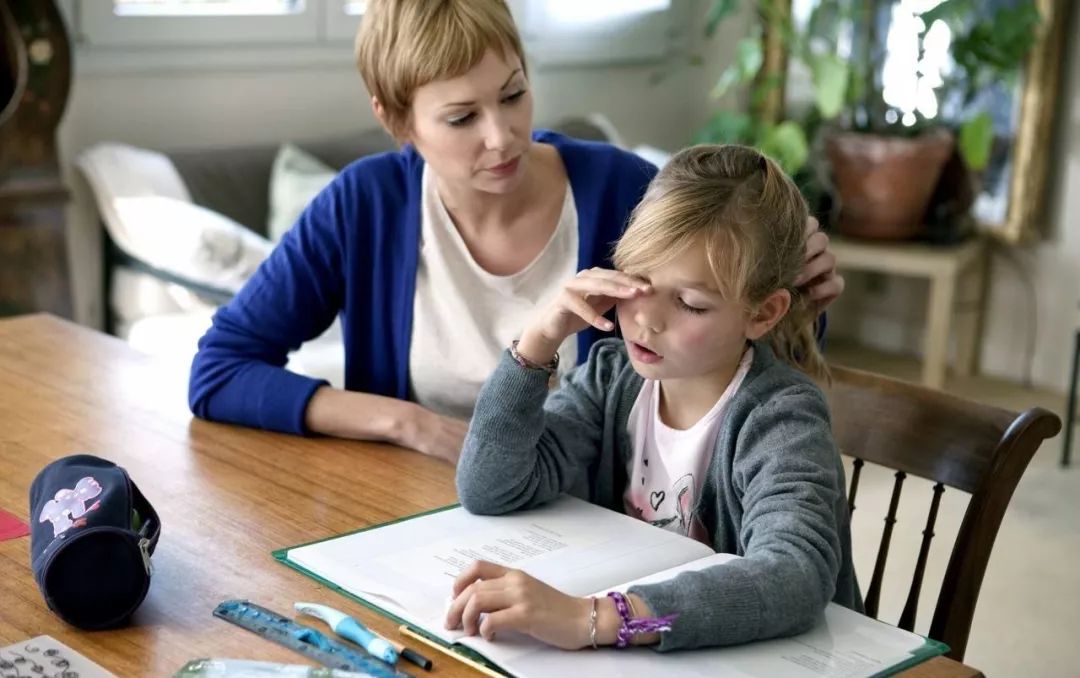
point(347, 627)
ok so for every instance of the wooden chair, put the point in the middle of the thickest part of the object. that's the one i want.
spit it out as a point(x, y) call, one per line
point(978, 449)
point(1070, 409)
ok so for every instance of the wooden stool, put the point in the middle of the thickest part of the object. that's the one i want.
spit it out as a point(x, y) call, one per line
point(946, 267)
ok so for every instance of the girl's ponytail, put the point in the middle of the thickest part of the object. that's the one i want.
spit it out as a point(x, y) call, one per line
point(794, 339)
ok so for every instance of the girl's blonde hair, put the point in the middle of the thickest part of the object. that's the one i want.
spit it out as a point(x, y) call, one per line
point(751, 219)
point(405, 44)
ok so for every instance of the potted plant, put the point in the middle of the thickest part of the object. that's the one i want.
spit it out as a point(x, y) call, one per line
point(878, 152)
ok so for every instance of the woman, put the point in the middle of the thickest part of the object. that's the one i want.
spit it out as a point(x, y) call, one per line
point(452, 241)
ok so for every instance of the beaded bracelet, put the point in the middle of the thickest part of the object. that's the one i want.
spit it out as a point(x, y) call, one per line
point(632, 627)
point(551, 367)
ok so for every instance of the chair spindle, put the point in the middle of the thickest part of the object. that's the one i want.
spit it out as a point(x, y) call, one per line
point(856, 468)
point(907, 617)
point(873, 595)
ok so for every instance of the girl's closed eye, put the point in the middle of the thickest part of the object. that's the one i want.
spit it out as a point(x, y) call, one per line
point(696, 310)
point(515, 97)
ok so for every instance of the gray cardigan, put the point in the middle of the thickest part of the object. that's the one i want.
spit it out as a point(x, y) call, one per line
point(774, 491)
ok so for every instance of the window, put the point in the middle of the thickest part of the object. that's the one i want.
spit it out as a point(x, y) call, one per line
point(216, 23)
point(584, 31)
point(162, 33)
point(130, 8)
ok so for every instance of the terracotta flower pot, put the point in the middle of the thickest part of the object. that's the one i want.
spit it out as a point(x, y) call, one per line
point(885, 183)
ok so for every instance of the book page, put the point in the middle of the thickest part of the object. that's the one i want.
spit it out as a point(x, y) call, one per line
point(408, 568)
point(845, 644)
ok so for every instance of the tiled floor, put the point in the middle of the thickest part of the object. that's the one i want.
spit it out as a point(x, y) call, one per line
point(1027, 622)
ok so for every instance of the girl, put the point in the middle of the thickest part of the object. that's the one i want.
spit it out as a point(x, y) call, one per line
point(702, 419)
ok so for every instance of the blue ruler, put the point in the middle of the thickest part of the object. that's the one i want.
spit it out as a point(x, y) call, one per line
point(304, 639)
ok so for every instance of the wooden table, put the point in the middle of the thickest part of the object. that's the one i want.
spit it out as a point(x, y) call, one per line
point(953, 271)
point(226, 496)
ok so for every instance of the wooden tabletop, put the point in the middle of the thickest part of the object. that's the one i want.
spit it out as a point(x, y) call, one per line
point(226, 496)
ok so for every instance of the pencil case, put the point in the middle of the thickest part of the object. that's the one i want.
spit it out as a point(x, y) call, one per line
point(92, 535)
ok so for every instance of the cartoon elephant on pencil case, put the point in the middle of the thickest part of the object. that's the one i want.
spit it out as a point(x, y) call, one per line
point(68, 507)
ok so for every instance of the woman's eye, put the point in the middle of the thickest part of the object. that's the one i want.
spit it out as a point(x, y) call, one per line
point(513, 98)
point(690, 309)
point(461, 120)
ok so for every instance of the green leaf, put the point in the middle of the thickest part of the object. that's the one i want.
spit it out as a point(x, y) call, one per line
point(749, 56)
point(948, 11)
point(786, 143)
point(726, 127)
point(830, 76)
point(728, 79)
point(976, 140)
point(748, 60)
point(718, 11)
point(764, 88)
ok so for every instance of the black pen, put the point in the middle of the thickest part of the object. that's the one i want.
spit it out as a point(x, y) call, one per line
point(409, 655)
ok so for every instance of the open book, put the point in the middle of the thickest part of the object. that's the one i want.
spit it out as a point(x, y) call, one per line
point(405, 570)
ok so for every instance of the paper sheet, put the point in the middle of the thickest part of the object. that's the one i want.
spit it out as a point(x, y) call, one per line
point(46, 657)
point(845, 644)
point(409, 567)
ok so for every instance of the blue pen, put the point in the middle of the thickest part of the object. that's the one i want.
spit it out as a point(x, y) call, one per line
point(347, 627)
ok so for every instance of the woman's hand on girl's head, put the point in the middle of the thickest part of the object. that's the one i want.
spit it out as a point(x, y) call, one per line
point(582, 302)
point(819, 278)
point(511, 600)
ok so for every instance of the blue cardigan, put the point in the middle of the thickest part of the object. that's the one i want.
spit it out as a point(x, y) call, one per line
point(354, 252)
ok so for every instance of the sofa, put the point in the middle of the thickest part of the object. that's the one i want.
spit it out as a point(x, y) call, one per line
point(162, 306)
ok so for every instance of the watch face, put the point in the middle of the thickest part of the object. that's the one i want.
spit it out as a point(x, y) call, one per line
point(40, 52)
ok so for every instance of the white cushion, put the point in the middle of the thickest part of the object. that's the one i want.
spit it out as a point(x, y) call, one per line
point(295, 179)
point(176, 336)
point(149, 215)
point(656, 156)
point(137, 294)
point(192, 242)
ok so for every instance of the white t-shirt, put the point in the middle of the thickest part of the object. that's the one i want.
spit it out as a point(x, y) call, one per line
point(669, 465)
point(465, 317)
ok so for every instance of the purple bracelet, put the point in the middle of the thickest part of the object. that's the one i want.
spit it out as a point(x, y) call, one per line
point(632, 627)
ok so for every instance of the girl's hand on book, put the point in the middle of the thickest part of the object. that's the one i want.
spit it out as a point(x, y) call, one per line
point(511, 600)
point(582, 302)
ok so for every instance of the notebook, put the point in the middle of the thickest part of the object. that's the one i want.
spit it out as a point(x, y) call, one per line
point(47, 657)
point(405, 569)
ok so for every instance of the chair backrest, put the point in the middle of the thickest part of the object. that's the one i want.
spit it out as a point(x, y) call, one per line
point(975, 448)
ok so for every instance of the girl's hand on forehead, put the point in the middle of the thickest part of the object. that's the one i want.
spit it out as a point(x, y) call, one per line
point(582, 302)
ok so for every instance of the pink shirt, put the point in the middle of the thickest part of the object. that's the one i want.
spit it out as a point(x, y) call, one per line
point(669, 465)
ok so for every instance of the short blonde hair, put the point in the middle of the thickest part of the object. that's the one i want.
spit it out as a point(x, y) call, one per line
point(750, 219)
point(405, 44)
